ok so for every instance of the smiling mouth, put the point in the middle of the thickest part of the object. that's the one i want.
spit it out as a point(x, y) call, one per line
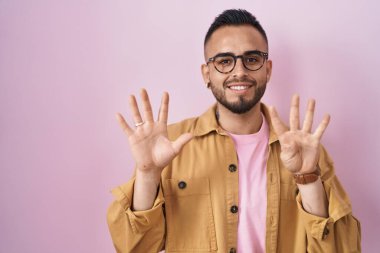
point(239, 87)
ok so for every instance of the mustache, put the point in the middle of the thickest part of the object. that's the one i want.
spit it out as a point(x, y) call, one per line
point(240, 80)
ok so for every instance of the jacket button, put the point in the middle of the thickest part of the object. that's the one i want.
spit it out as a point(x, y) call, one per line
point(232, 250)
point(232, 168)
point(234, 209)
point(182, 185)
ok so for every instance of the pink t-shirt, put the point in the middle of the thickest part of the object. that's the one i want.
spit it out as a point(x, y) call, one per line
point(252, 153)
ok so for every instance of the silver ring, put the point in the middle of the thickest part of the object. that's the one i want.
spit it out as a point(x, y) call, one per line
point(139, 124)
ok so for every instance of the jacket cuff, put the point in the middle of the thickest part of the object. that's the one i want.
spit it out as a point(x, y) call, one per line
point(315, 226)
point(339, 206)
point(140, 221)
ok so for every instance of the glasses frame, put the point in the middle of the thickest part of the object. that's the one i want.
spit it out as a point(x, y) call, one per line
point(265, 55)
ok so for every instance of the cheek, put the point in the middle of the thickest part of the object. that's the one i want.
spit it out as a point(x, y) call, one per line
point(261, 77)
point(217, 80)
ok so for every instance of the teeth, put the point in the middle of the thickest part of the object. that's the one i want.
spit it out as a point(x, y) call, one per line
point(238, 87)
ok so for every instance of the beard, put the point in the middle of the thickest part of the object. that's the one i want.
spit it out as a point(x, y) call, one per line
point(243, 105)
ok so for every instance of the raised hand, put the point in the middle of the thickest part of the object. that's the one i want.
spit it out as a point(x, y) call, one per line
point(299, 147)
point(151, 148)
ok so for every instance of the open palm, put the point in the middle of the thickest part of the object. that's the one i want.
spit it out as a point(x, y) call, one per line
point(150, 146)
point(299, 147)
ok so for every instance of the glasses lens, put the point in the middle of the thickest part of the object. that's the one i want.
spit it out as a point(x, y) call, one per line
point(224, 64)
point(253, 61)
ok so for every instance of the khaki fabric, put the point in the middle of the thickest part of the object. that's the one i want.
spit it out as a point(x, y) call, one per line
point(198, 217)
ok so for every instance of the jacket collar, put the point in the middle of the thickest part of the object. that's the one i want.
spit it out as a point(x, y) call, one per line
point(207, 123)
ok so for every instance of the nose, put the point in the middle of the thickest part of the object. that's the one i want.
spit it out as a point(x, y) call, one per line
point(239, 69)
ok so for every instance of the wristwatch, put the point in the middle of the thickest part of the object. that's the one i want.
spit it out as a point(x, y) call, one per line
point(307, 178)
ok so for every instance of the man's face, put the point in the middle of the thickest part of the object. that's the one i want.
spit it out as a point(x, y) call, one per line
point(241, 89)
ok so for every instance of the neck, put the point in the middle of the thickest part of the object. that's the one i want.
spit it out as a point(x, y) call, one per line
point(246, 123)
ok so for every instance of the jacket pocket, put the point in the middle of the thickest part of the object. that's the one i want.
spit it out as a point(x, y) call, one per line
point(189, 216)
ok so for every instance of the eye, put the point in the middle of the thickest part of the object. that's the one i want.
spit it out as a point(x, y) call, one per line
point(224, 61)
point(252, 59)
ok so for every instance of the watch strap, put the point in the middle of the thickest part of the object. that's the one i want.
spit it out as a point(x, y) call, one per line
point(307, 177)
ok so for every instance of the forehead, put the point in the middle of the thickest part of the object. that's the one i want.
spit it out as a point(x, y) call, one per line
point(235, 39)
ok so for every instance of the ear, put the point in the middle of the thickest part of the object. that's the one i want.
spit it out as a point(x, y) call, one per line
point(269, 69)
point(205, 74)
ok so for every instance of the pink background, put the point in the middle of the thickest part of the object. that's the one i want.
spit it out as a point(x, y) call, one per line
point(66, 68)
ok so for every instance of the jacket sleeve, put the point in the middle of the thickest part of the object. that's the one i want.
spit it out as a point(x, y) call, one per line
point(135, 231)
point(340, 232)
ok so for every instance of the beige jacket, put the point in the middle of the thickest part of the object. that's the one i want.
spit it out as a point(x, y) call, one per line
point(198, 217)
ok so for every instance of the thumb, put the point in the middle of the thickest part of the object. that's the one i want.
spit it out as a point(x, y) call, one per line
point(181, 141)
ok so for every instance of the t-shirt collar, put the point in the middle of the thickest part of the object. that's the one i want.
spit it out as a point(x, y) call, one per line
point(208, 122)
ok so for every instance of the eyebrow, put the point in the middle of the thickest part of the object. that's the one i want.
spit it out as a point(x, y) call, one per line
point(230, 53)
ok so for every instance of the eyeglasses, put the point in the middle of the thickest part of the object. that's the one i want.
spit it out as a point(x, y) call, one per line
point(226, 62)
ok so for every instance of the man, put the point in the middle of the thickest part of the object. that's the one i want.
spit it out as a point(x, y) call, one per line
point(235, 179)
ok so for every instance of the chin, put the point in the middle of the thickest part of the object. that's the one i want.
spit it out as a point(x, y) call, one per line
point(241, 107)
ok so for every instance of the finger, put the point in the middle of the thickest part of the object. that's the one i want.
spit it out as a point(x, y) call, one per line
point(148, 113)
point(134, 109)
point(124, 125)
point(278, 126)
point(308, 122)
point(164, 108)
point(294, 118)
point(181, 141)
point(322, 127)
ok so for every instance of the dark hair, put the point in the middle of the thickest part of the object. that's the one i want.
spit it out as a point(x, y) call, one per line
point(235, 17)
